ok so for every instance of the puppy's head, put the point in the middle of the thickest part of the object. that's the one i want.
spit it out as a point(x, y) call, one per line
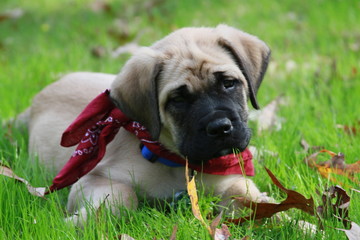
point(190, 89)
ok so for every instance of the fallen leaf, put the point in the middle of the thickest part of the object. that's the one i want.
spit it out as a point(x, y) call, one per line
point(215, 222)
point(222, 233)
point(98, 51)
point(290, 65)
point(191, 189)
point(260, 154)
point(246, 238)
point(266, 210)
point(119, 30)
point(173, 234)
point(267, 118)
point(217, 234)
point(125, 237)
point(11, 14)
point(354, 46)
point(354, 72)
point(335, 165)
point(39, 192)
point(355, 190)
point(353, 233)
point(148, 5)
point(351, 130)
point(99, 210)
point(307, 148)
point(101, 6)
point(305, 145)
point(339, 208)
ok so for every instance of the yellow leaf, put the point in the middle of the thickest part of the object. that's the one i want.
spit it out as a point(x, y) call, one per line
point(336, 165)
point(191, 189)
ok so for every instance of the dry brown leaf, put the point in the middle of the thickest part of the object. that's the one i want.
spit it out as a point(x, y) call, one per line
point(266, 210)
point(222, 233)
point(215, 222)
point(120, 31)
point(125, 237)
point(98, 52)
point(305, 145)
point(339, 208)
point(11, 14)
point(335, 165)
point(351, 130)
point(246, 238)
point(101, 6)
point(307, 148)
point(99, 210)
point(353, 233)
point(173, 234)
point(39, 192)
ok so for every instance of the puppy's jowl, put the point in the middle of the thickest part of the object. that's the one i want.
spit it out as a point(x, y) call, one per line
point(184, 97)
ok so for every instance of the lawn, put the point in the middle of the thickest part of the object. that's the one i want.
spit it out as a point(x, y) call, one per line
point(315, 66)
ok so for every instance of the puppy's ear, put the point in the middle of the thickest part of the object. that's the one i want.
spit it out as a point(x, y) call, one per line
point(135, 92)
point(250, 54)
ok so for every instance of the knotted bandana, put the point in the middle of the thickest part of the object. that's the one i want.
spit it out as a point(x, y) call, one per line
point(97, 126)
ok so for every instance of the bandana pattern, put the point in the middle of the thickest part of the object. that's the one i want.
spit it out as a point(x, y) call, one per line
point(97, 126)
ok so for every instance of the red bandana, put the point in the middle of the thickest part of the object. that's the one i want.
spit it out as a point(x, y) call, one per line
point(98, 124)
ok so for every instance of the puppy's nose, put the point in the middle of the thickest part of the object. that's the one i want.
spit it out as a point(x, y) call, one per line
point(219, 127)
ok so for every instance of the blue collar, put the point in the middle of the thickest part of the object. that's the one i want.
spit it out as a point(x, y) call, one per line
point(147, 154)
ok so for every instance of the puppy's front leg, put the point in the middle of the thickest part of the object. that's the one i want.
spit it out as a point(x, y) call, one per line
point(93, 191)
point(234, 186)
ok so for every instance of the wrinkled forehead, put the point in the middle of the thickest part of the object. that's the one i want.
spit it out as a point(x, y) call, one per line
point(194, 66)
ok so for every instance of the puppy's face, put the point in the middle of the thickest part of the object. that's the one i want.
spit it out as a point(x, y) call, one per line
point(203, 103)
point(191, 90)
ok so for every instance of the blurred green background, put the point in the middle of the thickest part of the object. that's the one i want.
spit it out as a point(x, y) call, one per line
point(51, 38)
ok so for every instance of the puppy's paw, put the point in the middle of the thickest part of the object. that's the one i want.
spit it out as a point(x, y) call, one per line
point(264, 198)
point(307, 227)
point(77, 219)
point(74, 220)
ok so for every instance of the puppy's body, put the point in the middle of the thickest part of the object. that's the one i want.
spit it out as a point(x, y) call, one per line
point(189, 89)
point(123, 162)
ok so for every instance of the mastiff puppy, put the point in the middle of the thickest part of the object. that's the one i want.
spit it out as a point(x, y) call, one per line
point(189, 90)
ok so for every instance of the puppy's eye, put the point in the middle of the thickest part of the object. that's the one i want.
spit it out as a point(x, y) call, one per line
point(178, 99)
point(229, 83)
point(226, 81)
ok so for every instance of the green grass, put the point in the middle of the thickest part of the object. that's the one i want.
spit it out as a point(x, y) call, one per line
point(56, 37)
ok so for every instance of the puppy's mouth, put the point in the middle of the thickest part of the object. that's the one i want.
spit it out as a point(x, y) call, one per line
point(224, 152)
